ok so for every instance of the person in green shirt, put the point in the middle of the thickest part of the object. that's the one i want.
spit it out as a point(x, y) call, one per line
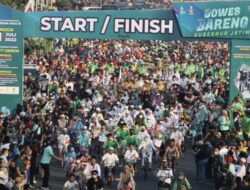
point(122, 132)
point(182, 183)
point(245, 125)
point(111, 142)
point(224, 123)
point(76, 103)
point(238, 106)
point(45, 163)
point(131, 139)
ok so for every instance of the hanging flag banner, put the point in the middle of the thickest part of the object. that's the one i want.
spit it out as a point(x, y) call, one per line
point(126, 24)
point(240, 69)
point(214, 19)
point(11, 57)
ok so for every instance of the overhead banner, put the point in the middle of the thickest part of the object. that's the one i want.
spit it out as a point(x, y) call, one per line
point(240, 69)
point(11, 57)
point(126, 24)
point(214, 19)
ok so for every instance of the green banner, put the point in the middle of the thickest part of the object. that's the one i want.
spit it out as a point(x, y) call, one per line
point(240, 69)
point(126, 24)
point(11, 57)
point(214, 19)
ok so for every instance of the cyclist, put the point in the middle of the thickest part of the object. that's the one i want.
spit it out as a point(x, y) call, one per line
point(142, 134)
point(123, 131)
point(84, 140)
point(121, 135)
point(111, 142)
point(131, 156)
point(109, 160)
point(165, 176)
point(126, 180)
point(63, 142)
point(181, 183)
point(131, 139)
point(172, 153)
point(95, 182)
point(178, 137)
point(147, 147)
point(92, 166)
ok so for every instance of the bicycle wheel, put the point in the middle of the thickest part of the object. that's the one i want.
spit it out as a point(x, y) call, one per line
point(132, 170)
point(145, 171)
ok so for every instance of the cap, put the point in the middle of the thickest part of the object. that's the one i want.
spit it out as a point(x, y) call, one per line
point(111, 148)
point(243, 160)
point(98, 109)
point(22, 114)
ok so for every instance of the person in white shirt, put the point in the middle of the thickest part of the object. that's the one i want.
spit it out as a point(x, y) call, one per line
point(142, 134)
point(150, 119)
point(147, 148)
point(241, 169)
point(71, 184)
point(223, 152)
point(131, 155)
point(125, 97)
point(109, 161)
point(63, 142)
point(4, 158)
point(177, 136)
point(173, 119)
point(209, 97)
point(165, 176)
point(92, 166)
point(128, 119)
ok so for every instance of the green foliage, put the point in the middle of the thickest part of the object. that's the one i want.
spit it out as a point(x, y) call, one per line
point(62, 4)
point(19, 4)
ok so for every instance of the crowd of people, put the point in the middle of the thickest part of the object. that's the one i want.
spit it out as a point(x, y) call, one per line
point(98, 105)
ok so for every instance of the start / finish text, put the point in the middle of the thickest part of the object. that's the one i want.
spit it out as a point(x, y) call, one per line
point(131, 25)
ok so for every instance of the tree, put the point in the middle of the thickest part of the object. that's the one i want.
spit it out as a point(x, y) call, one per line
point(19, 4)
point(6, 2)
point(64, 4)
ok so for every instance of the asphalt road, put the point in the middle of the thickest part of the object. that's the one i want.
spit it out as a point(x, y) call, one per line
point(186, 165)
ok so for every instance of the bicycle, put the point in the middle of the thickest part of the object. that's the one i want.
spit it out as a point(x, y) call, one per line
point(131, 164)
point(121, 151)
point(146, 166)
point(172, 161)
point(164, 182)
point(110, 176)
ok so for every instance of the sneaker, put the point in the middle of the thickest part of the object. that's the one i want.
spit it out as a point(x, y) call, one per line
point(44, 188)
